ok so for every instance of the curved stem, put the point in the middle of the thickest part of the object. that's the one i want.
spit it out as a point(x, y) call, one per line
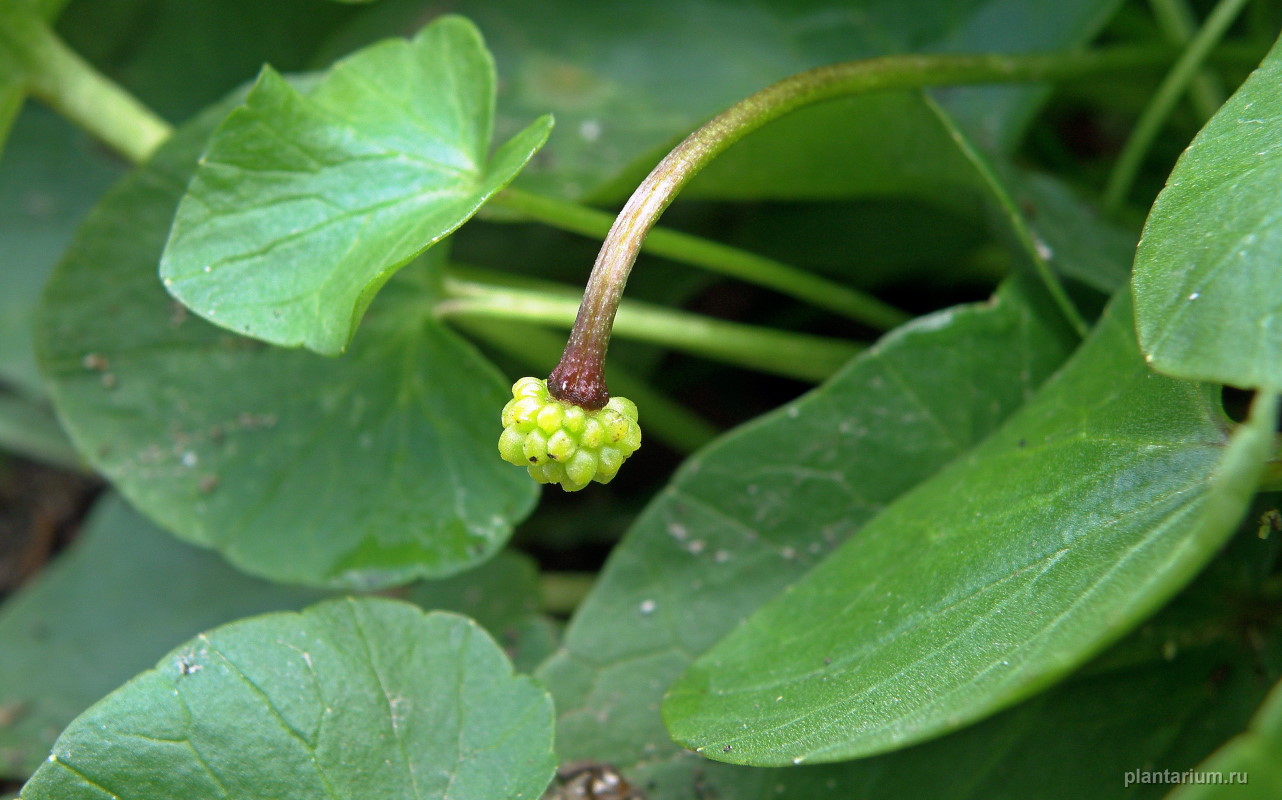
point(713, 256)
point(1178, 24)
point(1163, 101)
point(69, 84)
point(792, 355)
point(578, 377)
point(665, 419)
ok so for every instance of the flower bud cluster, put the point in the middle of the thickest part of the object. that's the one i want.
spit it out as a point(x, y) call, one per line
point(560, 442)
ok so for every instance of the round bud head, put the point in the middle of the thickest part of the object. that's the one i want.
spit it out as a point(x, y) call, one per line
point(549, 418)
point(559, 442)
point(624, 406)
point(561, 446)
point(593, 435)
point(528, 387)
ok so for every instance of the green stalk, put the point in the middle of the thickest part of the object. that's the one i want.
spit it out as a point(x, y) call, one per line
point(69, 84)
point(713, 256)
point(666, 420)
point(792, 355)
point(578, 377)
point(1019, 223)
point(1178, 24)
point(1163, 101)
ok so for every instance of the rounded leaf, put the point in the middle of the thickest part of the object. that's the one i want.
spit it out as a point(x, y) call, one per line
point(351, 698)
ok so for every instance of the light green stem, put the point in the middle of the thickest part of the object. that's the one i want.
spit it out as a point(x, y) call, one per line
point(1163, 101)
point(68, 83)
point(1036, 250)
point(792, 355)
point(713, 256)
point(577, 377)
point(666, 420)
point(1178, 24)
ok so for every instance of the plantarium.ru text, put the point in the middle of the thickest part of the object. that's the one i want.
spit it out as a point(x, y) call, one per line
point(957, 336)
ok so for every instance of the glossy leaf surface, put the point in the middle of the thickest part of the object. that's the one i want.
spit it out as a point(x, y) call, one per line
point(350, 698)
point(305, 204)
point(363, 471)
point(1088, 509)
point(50, 176)
point(127, 592)
point(104, 611)
point(1208, 291)
point(619, 107)
point(751, 513)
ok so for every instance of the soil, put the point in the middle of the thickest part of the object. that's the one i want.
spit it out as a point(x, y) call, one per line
point(41, 508)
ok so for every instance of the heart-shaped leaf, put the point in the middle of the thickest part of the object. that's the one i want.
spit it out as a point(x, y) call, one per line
point(1088, 509)
point(350, 698)
point(304, 205)
point(1208, 291)
point(371, 469)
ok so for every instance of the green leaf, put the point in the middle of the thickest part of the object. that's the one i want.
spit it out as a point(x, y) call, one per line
point(1017, 224)
point(350, 698)
point(904, 143)
point(12, 93)
point(502, 595)
point(893, 144)
point(1086, 511)
point(122, 596)
point(762, 505)
point(1078, 740)
point(13, 78)
point(1208, 293)
point(1255, 755)
point(619, 108)
point(304, 205)
point(50, 177)
point(17, 18)
point(179, 57)
point(30, 430)
point(362, 471)
point(102, 612)
point(720, 541)
point(1068, 231)
point(996, 116)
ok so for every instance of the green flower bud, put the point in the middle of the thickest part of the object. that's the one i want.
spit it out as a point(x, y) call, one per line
point(560, 442)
